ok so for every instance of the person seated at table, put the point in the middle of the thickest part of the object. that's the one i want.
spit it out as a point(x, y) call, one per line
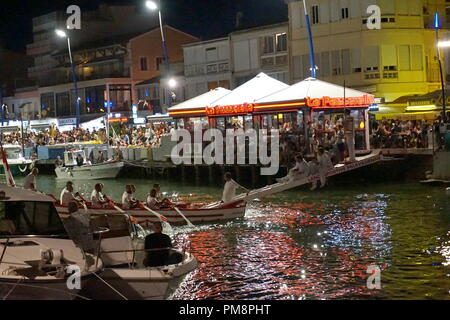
point(301, 170)
point(159, 240)
point(128, 200)
point(98, 199)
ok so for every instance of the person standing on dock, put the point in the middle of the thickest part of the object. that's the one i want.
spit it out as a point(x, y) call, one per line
point(349, 128)
point(229, 190)
point(30, 180)
point(325, 165)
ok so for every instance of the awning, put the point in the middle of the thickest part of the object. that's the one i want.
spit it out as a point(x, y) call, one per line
point(160, 118)
point(317, 94)
point(197, 106)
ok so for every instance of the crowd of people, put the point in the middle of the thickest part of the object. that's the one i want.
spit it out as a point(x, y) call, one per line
point(124, 136)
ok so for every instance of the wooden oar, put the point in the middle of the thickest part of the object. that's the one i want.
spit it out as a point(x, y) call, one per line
point(160, 217)
point(189, 223)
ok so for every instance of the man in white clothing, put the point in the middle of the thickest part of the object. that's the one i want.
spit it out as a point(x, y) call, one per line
point(229, 190)
point(325, 165)
point(30, 180)
point(98, 199)
point(67, 195)
point(301, 170)
point(128, 200)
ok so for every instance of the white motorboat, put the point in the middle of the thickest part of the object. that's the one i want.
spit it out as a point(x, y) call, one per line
point(86, 171)
point(17, 162)
point(123, 254)
point(37, 258)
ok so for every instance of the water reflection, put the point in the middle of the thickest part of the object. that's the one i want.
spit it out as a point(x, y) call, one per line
point(316, 245)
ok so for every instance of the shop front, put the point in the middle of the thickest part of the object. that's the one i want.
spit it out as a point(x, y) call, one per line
point(308, 112)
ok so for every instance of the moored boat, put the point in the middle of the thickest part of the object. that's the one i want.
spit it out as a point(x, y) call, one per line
point(126, 275)
point(19, 165)
point(72, 171)
point(37, 258)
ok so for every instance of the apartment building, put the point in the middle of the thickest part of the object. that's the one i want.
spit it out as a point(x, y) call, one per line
point(397, 60)
point(207, 66)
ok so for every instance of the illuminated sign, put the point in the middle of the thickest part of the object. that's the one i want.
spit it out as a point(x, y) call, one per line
point(328, 102)
point(230, 110)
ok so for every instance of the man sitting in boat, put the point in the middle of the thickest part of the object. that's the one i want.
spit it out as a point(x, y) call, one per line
point(30, 180)
point(67, 195)
point(98, 200)
point(80, 160)
point(301, 170)
point(128, 200)
point(154, 203)
point(159, 240)
point(229, 190)
point(159, 195)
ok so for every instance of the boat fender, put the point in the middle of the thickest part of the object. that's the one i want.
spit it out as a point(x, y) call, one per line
point(448, 191)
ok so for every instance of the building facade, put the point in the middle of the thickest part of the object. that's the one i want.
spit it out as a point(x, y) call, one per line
point(397, 60)
point(260, 49)
point(207, 66)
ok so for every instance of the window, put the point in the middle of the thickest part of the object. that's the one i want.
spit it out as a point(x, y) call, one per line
point(144, 65)
point(211, 54)
point(159, 61)
point(315, 14)
point(281, 39)
point(267, 44)
point(344, 13)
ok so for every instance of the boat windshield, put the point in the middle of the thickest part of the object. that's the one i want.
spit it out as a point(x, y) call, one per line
point(13, 154)
point(29, 218)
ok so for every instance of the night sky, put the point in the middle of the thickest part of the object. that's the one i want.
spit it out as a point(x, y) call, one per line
point(203, 18)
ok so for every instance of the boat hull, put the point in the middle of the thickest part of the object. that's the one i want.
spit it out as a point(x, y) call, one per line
point(91, 172)
point(142, 284)
point(39, 290)
point(145, 218)
point(19, 169)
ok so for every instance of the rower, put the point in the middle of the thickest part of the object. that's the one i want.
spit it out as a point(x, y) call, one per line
point(229, 190)
point(30, 180)
point(301, 170)
point(128, 200)
point(67, 195)
point(98, 199)
point(159, 195)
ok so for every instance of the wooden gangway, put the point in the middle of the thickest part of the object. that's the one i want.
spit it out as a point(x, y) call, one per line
point(360, 162)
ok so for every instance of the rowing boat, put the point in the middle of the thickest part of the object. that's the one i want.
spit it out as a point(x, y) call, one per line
point(218, 212)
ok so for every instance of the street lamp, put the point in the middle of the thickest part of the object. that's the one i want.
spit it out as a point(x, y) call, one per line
point(152, 5)
point(62, 34)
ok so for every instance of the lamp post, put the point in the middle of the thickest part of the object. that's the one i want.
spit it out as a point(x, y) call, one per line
point(63, 34)
point(441, 73)
point(311, 44)
point(152, 5)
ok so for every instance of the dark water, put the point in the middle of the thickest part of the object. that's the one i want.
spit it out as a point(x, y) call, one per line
point(316, 245)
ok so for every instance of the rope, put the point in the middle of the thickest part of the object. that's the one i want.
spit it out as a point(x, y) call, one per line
point(45, 288)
